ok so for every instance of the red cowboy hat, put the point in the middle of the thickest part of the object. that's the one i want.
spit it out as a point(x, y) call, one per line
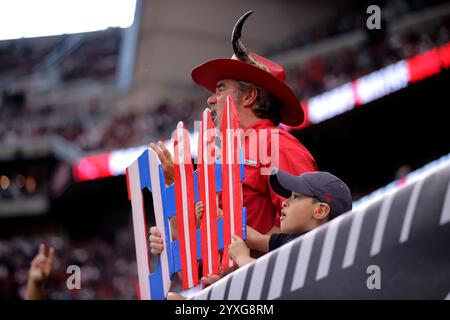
point(272, 80)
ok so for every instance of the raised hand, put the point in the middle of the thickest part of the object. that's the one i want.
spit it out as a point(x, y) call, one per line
point(42, 264)
point(166, 161)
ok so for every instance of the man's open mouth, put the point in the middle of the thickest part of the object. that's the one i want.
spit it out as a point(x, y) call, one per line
point(213, 113)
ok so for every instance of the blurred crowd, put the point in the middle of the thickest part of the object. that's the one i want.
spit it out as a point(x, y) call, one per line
point(94, 127)
point(324, 73)
point(89, 55)
point(107, 267)
point(352, 20)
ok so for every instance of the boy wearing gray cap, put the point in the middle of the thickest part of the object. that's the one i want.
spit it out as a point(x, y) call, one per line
point(312, 199)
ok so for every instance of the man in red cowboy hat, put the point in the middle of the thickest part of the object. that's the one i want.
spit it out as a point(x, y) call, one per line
point(263, 100)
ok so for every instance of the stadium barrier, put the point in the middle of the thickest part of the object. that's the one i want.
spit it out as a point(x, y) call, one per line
point(391, 246)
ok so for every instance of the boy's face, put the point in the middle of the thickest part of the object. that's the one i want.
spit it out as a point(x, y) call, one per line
point(297, 214)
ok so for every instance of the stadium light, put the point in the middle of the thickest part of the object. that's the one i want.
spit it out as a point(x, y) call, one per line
point(29, 18)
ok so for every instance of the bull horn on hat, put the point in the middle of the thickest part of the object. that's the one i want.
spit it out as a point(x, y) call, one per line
point(239, 48)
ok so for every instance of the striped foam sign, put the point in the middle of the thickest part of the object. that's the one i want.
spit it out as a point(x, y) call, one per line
point(213, 177)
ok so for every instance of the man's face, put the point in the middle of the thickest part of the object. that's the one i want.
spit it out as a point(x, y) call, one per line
point(217, 101)
point(297, 213)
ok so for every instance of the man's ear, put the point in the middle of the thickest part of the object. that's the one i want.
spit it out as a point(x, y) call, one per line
point(249, 98)
point(322, 211)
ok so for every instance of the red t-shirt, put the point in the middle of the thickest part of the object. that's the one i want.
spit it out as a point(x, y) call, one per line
point(263, 205)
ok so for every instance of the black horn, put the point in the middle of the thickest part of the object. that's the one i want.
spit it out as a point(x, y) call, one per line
point(239, 48)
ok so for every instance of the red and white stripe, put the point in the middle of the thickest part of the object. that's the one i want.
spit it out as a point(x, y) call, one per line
point(231, 187)
point(207, 194)
point(185, 206)
point(237, 189)
point(139, 226)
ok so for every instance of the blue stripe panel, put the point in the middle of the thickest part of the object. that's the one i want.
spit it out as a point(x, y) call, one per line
point(166, 198)
point(144, 170)
point(156, 283)
point(169, 201)
point(218, 170)
point(220, 232)
point(244, 223)
point(241, 159)
point(199, 244)
point(196, 186)
point(176, 257)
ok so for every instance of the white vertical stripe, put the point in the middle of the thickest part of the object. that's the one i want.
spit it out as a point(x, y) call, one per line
point(406, 227)
point(159, 216)
point(206, 205)
point(230, 174)
point(185, 206)
point(279, 272)
point(237, 284)
point(327, 248)
point(445, 216)
point(303, 260)
point(381, 224)
point(140, 238)
point(256, 284)
point(353, 238)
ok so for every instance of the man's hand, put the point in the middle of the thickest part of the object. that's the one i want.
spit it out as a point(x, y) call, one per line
point(166, 161)
point(42, 264)
point(156, 243)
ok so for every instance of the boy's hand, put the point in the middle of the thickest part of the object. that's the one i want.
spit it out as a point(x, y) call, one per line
point(156, 243)
point(238, 249)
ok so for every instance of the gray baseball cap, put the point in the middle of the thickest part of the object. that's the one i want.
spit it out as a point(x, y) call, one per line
point(321, 185)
